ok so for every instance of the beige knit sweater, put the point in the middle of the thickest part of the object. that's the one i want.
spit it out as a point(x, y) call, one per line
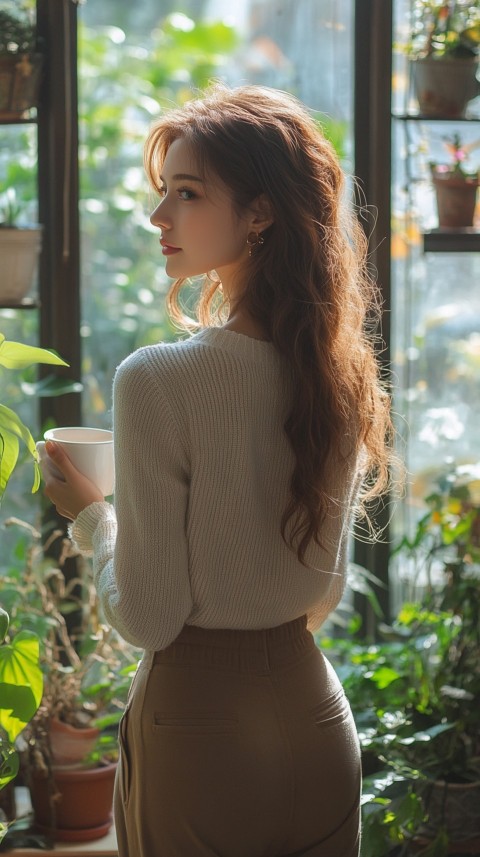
point(202, 475)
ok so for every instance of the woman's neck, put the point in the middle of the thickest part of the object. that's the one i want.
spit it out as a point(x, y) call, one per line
point(241, 322)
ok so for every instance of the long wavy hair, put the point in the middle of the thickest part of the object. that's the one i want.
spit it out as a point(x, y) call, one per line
point(308, 286)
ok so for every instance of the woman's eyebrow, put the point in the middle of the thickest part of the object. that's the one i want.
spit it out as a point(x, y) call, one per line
point(184, 177)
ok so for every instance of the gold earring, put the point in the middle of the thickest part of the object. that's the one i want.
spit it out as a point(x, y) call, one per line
point(254, 239)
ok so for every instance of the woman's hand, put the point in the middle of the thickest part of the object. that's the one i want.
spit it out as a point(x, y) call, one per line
point(74, 492)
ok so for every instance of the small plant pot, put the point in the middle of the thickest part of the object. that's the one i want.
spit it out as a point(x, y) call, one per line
point(456, 200)
point(444, 87)
point(19, 85)
point(69, 744)
point(453, 806)
point(74, 805)
point(19, 251)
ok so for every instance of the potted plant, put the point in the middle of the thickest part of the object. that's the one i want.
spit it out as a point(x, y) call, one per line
point(447, 544)
point(19, 250)
point(21, 684)
point(415, 693)
point(444, 49)
point(86, 670)
point(21, 61)
point(20, 677)
point(455, 187)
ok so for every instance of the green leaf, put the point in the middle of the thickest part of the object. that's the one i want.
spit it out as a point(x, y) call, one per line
point(384, 676)
point(10, 422)
point(4, 623)
point(9, 448)
point(9, 763)
point(51, 386)
point(12, 428)
point(21, 683)
point(16, 355)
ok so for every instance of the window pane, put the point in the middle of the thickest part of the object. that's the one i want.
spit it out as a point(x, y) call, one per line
point(136, 58)
point(436, 301)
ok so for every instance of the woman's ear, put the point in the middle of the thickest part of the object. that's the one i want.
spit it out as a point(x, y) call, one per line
point(261, 213)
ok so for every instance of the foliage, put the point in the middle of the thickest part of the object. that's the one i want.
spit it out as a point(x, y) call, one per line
point(21, 685)
point(445, 29)
point(86, 667)
point(17, 28)
point(459, 153)
point(16, 355)
point(124, 280)
point(415, 693)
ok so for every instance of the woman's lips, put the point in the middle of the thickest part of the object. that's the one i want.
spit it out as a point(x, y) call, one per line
point(169, 249)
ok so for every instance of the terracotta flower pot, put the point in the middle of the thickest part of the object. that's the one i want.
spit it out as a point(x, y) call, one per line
point(444, 87)
point(456, 199)
point(454, 806)
point(76, 804)
point(19, 84)
point(69, 744)
point(19, 249)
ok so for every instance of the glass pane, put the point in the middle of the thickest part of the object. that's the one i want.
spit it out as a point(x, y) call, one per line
point(136, 59)
point(436, 301)
point(18, 205)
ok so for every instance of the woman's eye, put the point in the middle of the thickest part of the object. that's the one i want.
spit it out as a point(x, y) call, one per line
point(162, 191)
point(186, 194)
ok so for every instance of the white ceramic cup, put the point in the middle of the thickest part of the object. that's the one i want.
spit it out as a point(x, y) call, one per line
point(89, 449)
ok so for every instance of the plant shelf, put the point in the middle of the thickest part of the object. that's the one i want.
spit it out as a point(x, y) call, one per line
point(465, 240)
point(26, 303)
point(421, 117)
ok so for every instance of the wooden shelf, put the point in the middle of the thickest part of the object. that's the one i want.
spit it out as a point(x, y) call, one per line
point(452, 240)
point(421, 117)
point(26, 303)
point(30, 120)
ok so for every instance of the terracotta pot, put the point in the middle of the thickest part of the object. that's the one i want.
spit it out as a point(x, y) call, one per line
point(454, 806)
point(444, 87)
point(83, 810)
point(19, 249)
point(70, 745)
point(456, 199)
point(19, 84)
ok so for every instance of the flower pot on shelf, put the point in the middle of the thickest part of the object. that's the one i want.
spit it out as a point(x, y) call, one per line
point(19, 84)
point(74, 804)
point(69, 744)
point(445, 86)
point(453, 806)
point(19, 251)
point(456, 199)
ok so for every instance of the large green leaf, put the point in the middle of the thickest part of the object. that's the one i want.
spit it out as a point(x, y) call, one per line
point(21, 683)
point(9, 448)
point(9, 763)
point(10, 422)
point(16, 355)
point(4, 623)
point(12, 428)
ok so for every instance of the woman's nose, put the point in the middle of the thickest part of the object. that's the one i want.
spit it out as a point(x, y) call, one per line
point(158, 217)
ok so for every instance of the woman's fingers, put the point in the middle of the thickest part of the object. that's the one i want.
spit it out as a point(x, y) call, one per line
point(68, 489)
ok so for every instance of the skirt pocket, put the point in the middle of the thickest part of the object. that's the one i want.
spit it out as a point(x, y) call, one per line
point(209, 723)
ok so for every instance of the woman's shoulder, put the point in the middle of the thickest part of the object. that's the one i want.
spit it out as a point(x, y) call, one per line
point(163, 359)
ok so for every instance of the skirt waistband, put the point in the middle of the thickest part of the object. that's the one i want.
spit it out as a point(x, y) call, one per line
point(250, 651)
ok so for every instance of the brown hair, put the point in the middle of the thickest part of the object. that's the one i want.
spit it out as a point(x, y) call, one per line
point(308, 286)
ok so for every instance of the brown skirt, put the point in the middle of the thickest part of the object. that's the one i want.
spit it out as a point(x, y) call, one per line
point(238, 744)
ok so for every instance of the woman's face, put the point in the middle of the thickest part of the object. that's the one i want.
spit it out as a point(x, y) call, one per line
point(200, 229)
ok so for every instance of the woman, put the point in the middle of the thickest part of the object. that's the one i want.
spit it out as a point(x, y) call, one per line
point(239, 454)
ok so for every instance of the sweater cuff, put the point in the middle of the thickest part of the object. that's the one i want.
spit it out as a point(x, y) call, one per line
point(82, 530)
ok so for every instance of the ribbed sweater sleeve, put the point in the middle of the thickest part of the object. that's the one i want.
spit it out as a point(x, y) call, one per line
point(141, 571)
point(203, 470)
